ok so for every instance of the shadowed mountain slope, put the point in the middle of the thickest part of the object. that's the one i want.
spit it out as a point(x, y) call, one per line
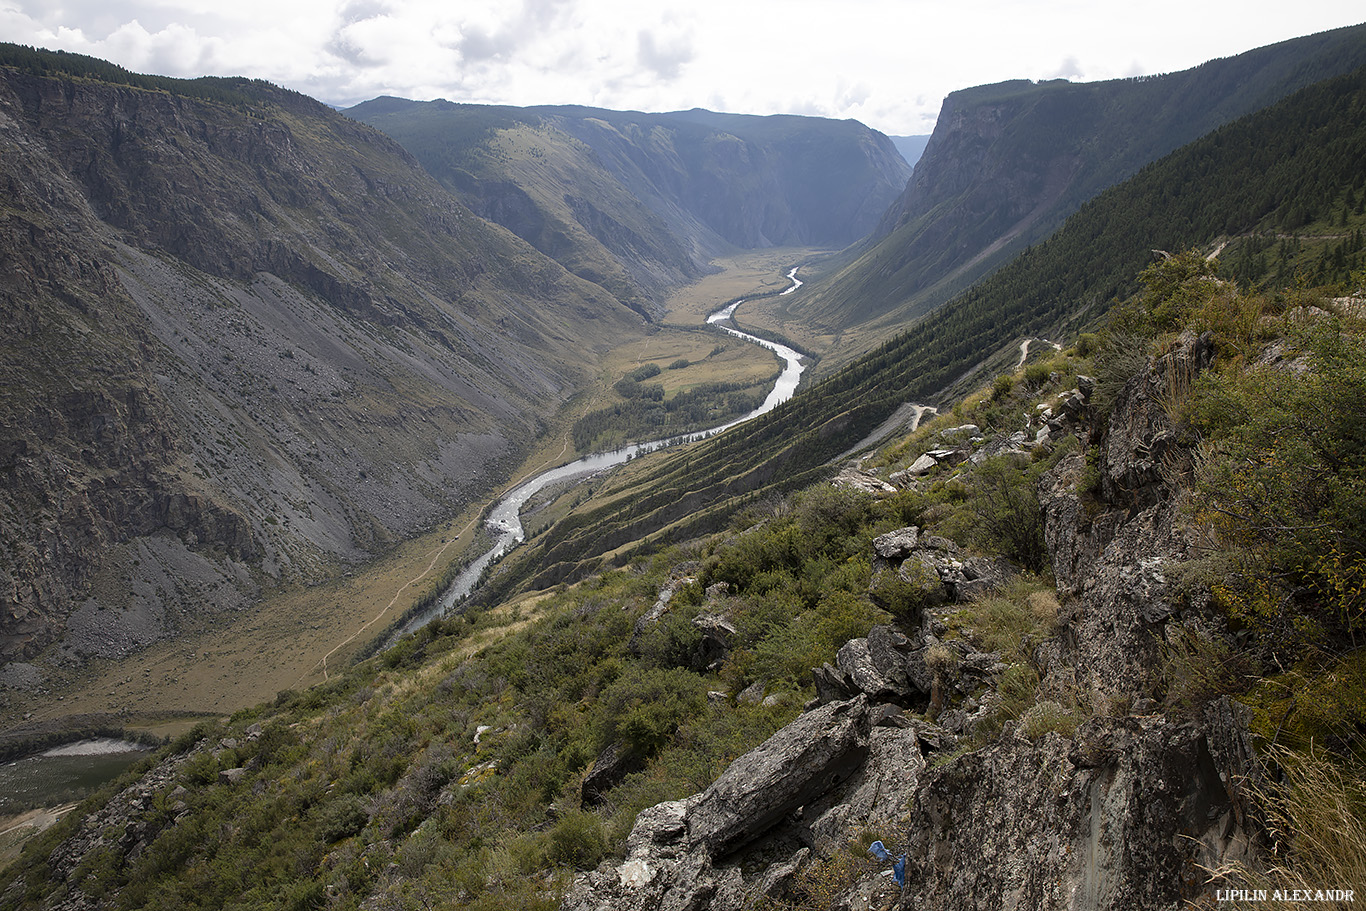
point(640, 203)
point(245, 338)
point(1007, 163)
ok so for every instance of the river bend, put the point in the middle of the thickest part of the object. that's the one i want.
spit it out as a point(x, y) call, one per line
point(505, 517)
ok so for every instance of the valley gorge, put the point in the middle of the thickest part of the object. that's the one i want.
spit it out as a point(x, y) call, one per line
point(267, 369)
point(257, 340)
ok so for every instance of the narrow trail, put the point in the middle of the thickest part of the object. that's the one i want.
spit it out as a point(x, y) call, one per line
point(40, 819)
point(1024, 349)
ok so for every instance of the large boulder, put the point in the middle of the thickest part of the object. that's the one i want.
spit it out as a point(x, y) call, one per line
point(613, 764)
point(812, 755)
point(1141, 442)
point(716, 634)
point(877, 666)
point(677, 853)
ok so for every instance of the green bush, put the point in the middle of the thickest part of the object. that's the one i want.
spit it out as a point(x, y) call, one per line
point(579, 839)
point(1176, 287)
point(1282, 479)
point(342, 818)
point(1036, 375)
point(643, 707)
point(1009, 520)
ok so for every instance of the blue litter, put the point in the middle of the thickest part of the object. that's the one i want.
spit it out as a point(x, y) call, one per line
point(898, 869)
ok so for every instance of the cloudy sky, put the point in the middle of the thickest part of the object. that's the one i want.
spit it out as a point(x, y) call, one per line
point(888, 63)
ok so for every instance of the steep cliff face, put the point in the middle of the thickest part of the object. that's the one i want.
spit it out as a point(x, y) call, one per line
point(1007, 163)
point(639, 203)
point(1136, 804)
point(245, 339)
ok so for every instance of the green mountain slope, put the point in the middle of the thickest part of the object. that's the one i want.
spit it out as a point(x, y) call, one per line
point(531, 755)
point(639, 203)
point(1299, 160)
point(1009, 162)
point(245, 338)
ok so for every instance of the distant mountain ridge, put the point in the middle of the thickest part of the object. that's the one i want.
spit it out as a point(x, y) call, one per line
point(640, 203)
point(1007, 163)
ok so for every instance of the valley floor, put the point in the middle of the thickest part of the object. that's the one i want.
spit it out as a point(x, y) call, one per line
point(296, 636)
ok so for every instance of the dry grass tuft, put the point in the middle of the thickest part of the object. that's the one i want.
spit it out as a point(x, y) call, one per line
point(1316, 820)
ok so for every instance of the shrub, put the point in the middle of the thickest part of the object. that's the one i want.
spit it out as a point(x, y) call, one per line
point(1009, 519)
point(1198, 668)
point(1087, 344)
point(579, 839)
point(643, 708)
point(821, 884)
point(342, 818)
point(644, 372)
point(1282, 478)
point(1002, 387)
point(1120, 358)
point(671, 641)
point(906, 593)
point(1036, 375)
point(1175, 287)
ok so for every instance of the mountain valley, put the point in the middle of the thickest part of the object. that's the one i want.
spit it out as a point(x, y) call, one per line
point(1047, 582)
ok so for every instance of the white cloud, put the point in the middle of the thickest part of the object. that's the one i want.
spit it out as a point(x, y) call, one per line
point(886, 62)
point(663, 55)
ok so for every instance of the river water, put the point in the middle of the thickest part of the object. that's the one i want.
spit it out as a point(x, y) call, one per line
point(505, 518)
point(64, 774)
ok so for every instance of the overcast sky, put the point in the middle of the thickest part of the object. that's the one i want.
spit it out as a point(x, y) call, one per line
point(888, 63)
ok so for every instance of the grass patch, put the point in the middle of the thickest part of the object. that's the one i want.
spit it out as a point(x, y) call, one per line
point(1316, 819)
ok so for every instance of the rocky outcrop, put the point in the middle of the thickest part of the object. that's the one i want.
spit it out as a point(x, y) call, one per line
point(125, 825)
point(934, 567)
point(1112, 548)
point(808, 758)
point(713, 645)
point(1128, 813)
point(793, 798)
point(613, 764)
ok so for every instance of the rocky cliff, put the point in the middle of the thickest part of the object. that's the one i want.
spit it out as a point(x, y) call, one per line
point(1098, 796)
point(245, 339)
point(1007, 163)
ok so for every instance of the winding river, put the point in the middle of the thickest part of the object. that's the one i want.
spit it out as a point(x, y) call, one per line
point(505, 518)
